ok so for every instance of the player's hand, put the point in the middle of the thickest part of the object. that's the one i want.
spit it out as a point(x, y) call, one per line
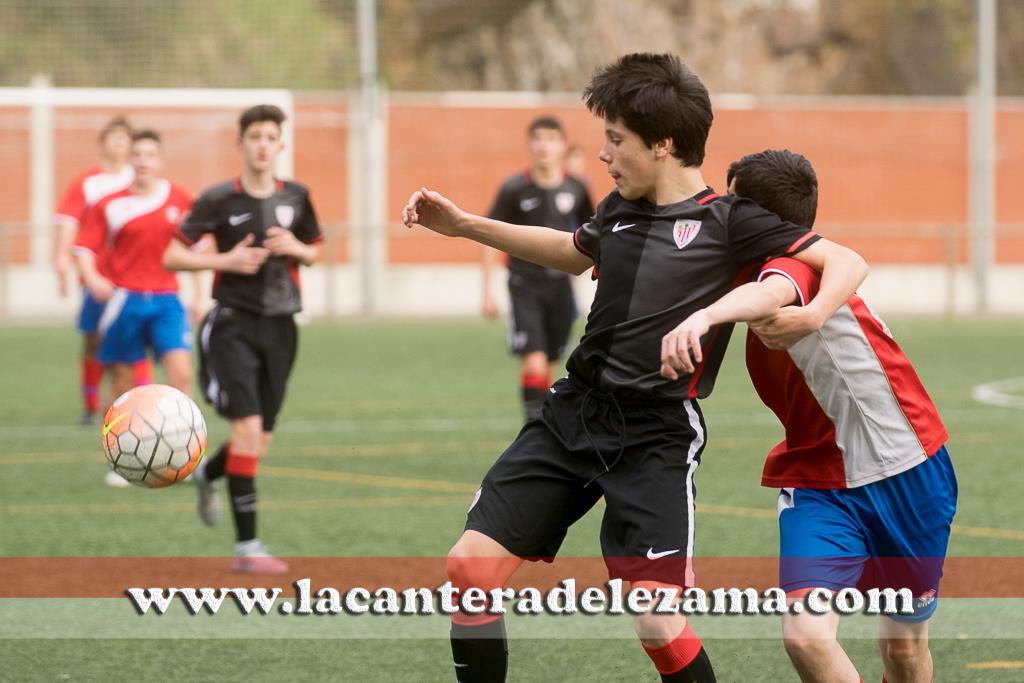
point(490, 308)
point(282, 242)
point(244, 258)
point(680, 348)
point(787, 327)
point(62, 266)
point(433, 211)
point(100, 288)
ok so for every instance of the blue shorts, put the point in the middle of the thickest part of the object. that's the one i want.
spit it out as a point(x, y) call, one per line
point(90, 313)
point(892, 533)
point(135, 321)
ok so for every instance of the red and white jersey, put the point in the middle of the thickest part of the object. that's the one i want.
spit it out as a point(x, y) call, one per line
point(87, 189)
point(134, 230)
point(854, 410)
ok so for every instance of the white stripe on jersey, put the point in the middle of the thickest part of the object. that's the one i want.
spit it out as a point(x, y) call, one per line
point(848, 381)
point(98, 186)
point(121, 210)
point(691, 510)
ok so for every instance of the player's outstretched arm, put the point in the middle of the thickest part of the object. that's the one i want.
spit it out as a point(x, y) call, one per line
point(680, 348)
point(243, 257)
point(543, 246)
point(842, 271)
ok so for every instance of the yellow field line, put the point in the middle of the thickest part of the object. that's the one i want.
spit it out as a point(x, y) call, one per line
point(991, 666)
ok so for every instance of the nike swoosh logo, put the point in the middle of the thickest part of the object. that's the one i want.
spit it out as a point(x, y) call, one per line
point(108, 427)
point(238, 220)
point(618, 227)
point(459, 665)
point(529, 204)
point(651, 555)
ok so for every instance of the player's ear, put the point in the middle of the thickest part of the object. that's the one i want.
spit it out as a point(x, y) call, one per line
point(663, 148)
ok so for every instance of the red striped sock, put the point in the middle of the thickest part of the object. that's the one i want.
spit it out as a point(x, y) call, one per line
point(143, 372)
point(678, 654)
point(92, 375)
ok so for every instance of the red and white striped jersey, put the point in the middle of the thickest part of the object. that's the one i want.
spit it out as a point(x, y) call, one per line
point(134, 231)
point(853, 407)
point(87, 189)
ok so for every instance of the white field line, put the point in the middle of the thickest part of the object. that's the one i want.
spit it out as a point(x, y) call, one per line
point(1004, 393)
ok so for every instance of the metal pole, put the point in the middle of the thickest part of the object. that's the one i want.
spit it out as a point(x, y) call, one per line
point(982, 193)
point(371, 160)
point(42, 171)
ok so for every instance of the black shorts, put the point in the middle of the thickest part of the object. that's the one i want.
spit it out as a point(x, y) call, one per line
point(640, 457)
point(541, 314)
point(244, 362)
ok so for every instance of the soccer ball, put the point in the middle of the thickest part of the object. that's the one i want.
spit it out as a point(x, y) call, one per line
point(153, 435)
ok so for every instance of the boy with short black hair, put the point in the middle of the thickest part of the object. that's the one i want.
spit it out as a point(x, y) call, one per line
point(665, 245)
point(264, 229)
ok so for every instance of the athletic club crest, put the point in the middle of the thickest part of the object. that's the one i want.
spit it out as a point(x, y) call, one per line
point(284, 214)
point(565, 201)
point(173, 213)
point(685, 231)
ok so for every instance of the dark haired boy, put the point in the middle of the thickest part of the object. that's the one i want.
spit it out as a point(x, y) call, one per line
point(868, 491)
point(264, 229)
point(541, 304)
point(665, 245)
point(131, 229)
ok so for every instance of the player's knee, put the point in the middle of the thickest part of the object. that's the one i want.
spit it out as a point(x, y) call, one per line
point(805, 647)
point(903, 653)
point(658, 630)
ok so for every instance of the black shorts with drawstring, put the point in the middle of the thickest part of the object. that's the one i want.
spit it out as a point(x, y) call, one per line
point(641, 457)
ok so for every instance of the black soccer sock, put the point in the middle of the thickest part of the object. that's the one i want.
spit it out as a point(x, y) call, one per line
point(214, 468)
point(243, 506)
point(697, 671)
point(480, 652)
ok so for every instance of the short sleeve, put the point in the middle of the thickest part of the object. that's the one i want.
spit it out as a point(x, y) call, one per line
point(584, 207)
point(587, 238)
point(71, 208)
point(92, 231)
point(804, 278)
point(503, 207)
point(201, 220)
point(308, 229)
point(756, 235)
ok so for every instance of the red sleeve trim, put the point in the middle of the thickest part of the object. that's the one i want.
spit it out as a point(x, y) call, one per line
point(802, 242)
point(316, 240)
point(579, 246)
point(183, 238)
point(775, 271)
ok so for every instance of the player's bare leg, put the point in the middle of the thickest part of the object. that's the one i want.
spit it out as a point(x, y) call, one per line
point(479, 645)
point(812, 645)
point(668, 640)
point(905, 653)
point(122, 378)
point(178, 368)
point(535, 380)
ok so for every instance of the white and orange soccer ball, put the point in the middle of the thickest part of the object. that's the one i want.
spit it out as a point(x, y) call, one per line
point(154, 435)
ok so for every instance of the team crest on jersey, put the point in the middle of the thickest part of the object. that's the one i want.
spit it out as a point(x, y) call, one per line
point(173, 213)
point(565, 201)
point(285, 215)
point(685, 231)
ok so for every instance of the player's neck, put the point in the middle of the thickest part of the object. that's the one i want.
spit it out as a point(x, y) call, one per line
point(145, 187)
point(258, 183)
point(112, 166)
point(676, 184)
point(547, 178)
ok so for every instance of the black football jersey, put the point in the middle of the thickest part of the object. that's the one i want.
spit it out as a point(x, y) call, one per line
point(229, 213)
point(523, 202)
point(655, 265)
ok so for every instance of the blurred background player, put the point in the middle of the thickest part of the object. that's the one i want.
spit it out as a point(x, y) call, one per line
point(264, 228)
point(576, 163)
point(113, 173)
point(868, 489)
point(131, 229)
point(541, 304)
